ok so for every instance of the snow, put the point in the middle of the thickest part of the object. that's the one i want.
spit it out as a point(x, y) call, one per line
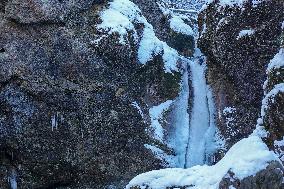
point(213, 139)
point(115, 22)
point(178, 25)
point(178, 138)
point(199, 122)
point(228, 110)
point(277, 61)
point(247, 32)
point(136, 105)
point(160, 154)
point(245, 158)
point(151, 46)
point(12, 180)
point(282, 26)
point(121, 17)
point(279, 146)
point(269, 98)
point(156, 114)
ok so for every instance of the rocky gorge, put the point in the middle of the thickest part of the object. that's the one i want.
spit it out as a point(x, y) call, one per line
point(96, 92)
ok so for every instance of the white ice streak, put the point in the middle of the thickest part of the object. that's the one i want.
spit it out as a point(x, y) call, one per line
point(199, 122)
point(247, 32)
point(178, 138)
point(156, 114)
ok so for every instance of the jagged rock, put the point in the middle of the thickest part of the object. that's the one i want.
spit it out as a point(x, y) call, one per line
point(37, 11)
point(236, 65)
point(271, 178)
point(66, 117)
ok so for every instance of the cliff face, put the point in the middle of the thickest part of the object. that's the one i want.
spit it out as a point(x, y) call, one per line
point(243, 44)
point(67, 114)
point(239, 42)
point(88, 90)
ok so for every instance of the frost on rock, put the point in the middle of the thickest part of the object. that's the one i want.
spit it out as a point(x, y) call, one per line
point(269, 98)
point(121, 18)
point(177, 24)
point(244, 33)
point(156, 114)
point(229, 114)
point(277, 62)
point(244, 159)
point(116, 22)
point(136, 105)
point(279, 146)
point(160, 154)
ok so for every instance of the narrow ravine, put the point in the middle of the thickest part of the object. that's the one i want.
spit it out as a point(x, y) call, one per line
point(199, 122)
point(193, 135)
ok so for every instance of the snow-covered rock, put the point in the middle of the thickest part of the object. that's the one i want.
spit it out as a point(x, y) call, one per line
point(123, 17)
point(246, 158)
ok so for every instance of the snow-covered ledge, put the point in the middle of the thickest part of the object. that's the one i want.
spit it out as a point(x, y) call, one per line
point(246, 158)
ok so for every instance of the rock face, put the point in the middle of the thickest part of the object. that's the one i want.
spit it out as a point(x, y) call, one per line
point(271, 177)
point(67, 117)
point(239, 42)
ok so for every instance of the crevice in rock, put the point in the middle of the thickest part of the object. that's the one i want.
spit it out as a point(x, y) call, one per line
point(13, 79)
point(39, 23)
point(2, 50)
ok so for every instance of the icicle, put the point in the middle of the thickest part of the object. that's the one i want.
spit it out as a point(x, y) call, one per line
point(13, 179)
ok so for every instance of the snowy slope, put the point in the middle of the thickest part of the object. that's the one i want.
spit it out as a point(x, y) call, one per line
point(245, 158)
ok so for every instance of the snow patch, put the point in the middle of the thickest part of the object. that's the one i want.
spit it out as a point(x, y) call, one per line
point(279, 148)
point(156, 114)
point(269, 98)
point(177, 24)
point(136, 105)
point(229, 110)
point(244, 33)
point(245, 158)
point(115, 22)
point(160, 154)
point(277, 62)
point(121, 17)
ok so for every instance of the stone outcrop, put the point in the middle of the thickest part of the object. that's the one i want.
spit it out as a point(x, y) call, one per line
point(66, 116)
point(237, 63)
point(271, 177)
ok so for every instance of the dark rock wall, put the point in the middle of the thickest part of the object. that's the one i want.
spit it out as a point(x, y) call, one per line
point(66, 116)
point(236, 66)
